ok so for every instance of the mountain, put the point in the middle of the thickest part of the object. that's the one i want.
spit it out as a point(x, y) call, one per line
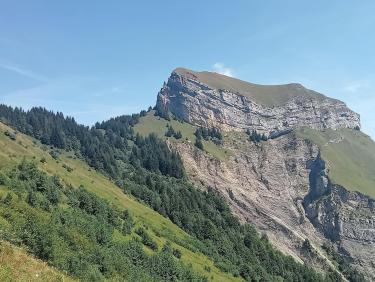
point(104, 203)
point(223, 180)
point(75, 173)
point(310, 179)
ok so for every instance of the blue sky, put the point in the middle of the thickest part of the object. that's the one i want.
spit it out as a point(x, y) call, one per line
point(98, 59)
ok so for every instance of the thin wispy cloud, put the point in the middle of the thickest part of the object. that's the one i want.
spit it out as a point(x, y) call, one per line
point(222, 69)
point(110, 91)
point(24, 72)
point(357, 86)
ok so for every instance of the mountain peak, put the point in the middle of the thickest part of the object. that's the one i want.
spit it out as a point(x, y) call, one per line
point(263, 94)
point(215, 100)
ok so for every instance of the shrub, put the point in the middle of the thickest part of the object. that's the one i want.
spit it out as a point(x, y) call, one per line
point(177, 253)
point(178, 135)
point(68, 168)
point(8, 199)
point(54, 154)
point(3, 179)
point(11, 135)
point(146, 239)
point(199, 144)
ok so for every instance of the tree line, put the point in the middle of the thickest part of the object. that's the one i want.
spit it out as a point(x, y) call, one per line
point(105, 146)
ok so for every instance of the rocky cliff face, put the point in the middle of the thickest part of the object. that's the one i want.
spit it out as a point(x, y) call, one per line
point(346, 219)
point(281, 186)
point(196, 98)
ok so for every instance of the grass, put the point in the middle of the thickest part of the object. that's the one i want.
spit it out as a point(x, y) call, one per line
point(269, 95)
point(17, 265)
point(12, 152)
point(350, 156)
point(154, 124)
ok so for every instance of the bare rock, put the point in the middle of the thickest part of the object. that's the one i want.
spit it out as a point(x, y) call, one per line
point(196, 98)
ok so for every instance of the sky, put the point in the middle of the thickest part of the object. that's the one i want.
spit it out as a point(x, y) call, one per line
point(97, 59)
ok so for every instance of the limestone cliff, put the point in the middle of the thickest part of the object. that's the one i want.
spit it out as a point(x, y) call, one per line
point(213, 100)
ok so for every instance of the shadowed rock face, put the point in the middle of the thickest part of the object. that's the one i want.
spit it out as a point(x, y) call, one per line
point(281, 186)
point(197, 98)
point(347, 219)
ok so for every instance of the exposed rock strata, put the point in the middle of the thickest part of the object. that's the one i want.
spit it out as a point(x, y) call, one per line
point(268, 185)
point(346, 218)
point(200, 104)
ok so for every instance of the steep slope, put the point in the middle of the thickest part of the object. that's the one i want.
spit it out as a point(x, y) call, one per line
point(213, 100)
point(160, 229)
point(17, 265)
point(310, 184)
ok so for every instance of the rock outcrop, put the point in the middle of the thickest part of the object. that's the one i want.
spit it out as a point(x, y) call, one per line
point(201, 99)
point(347, 219)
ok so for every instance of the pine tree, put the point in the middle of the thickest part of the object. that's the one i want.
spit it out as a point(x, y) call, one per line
point(198, 143)
point(57, 138)
point(178, 135)
point(170, 131)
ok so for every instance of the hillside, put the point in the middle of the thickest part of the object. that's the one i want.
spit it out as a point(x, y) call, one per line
point(17, 265)
point(161, 229)
point(151, 171)
point(180, 184)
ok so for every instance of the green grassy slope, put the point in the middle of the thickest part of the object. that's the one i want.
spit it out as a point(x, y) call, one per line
point(269, 95)
point(160, 228)
point(17, 265)
point(350, 156)
point(155, 124)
